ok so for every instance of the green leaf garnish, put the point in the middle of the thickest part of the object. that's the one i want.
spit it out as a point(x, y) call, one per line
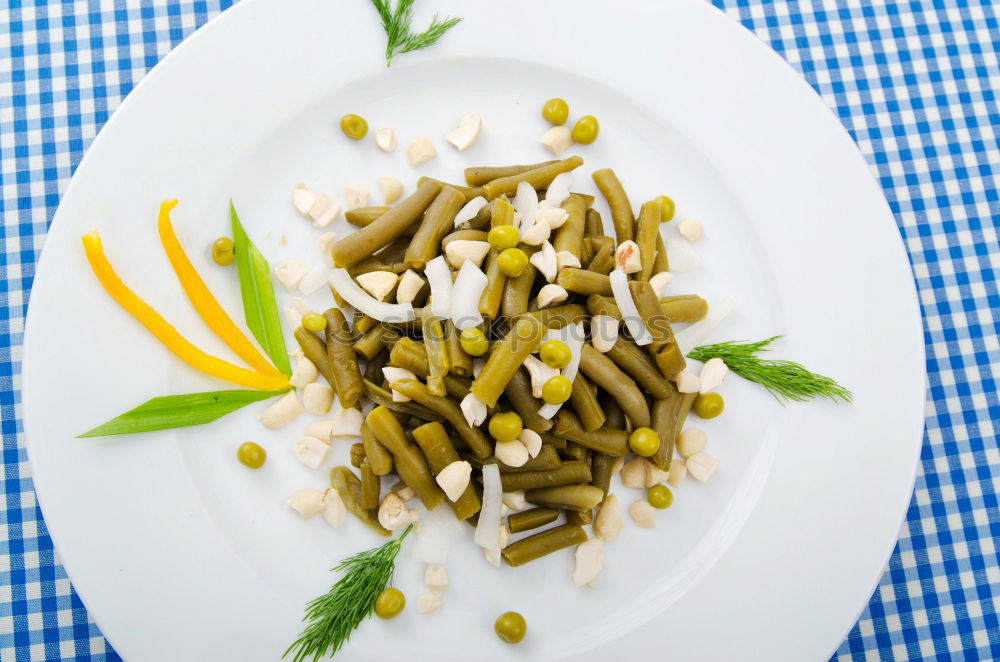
point(397, 21)
point(178, 411)
point(785, 380)
point(259, 307)
point(334, 616)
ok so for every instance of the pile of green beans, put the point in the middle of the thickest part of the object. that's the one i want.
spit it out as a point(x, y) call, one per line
point(416, 427)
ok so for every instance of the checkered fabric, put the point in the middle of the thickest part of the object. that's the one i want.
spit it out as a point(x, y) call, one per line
point(914, 82)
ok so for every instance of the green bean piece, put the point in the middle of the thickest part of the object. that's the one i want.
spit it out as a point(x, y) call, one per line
point(584, 402)
point(459, 362)
point(664, 348)
point(348, 486)
point(409, 461)
point(463, 235)
point(378, 457)
point(638, 365)
point(501, 212)
point(439, 451)
point(373, 368)
point(602, 371)
point(479, 175)
point(362, 216)
point(411, 355)
point(437, 352)
point(481, 221)
point(615, 417)
point(574, 452)
point(601, 468)
point(580, 517)
point(647, 229)
point(363, 323)
point(363, 242)
point(593, 225)
point(538, 178)
point(604, 256)
point(684, 308)
point(555, 442)
point(506, 358)
point(568, 473)
point(489, 301)
point(588, 200)
point(570, 236)
point(449, 411)
point(370, 344)
point(664, 414)
point(543, 543)
point(347, 380)
point(517, 291)
point(365, 267)
point(386, 259)
point(438, 221)
point(383, 397)
point(518, 392)
point(314, 349)
point(610, 441)
point(568, 497)
point(687, 399)
point(527, 520)
point(357, 455)
point(621, 209)
point(660, 258)
point(370, 486)
point(601, 305)
point(557, 317)
point(583, 281)
point(469, 192)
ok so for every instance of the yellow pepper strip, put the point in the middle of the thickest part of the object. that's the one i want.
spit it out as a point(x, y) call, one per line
point(166, 333)
point(206, 304)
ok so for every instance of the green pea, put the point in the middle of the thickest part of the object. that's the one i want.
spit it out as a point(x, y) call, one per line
point(512, 262)
point(659, 496)
point(473, 341)
point(314, 322)
point(644, 442)
point(511, 627)
point(354, 126)
point(556, 390)
point(708, 405)
point(251, 455)
point(666, 207)
point(222, 251)
point(505, 427)
point(389, 603)
point(586, 129)
point(556, 111)
point(503, 237)
point(555, 354)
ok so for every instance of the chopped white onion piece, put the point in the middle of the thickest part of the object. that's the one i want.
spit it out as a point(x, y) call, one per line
point(526, 204)
point(682, 255)
point(437, 532)
point(630, 314)
point(488, 530)
point(573, 336)
point(469, 211)
point(465, 293)
point(558, 189)
point(697, 332)
point(352, 293)
point(439, 276)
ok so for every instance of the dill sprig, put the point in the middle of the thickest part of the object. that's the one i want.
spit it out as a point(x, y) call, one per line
point(334, 616)
point(397, 21)
point(785, 380)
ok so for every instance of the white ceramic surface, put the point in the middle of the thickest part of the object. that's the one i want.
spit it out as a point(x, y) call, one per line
point(181, 553)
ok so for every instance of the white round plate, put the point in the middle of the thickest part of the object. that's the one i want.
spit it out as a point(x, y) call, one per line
point(180, 553)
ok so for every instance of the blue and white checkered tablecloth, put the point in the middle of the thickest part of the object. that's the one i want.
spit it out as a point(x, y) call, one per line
point(914, 82)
